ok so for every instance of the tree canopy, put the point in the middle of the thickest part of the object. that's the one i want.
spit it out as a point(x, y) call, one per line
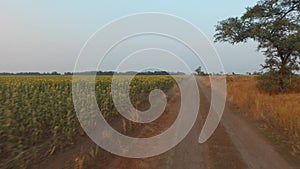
point(275, 25)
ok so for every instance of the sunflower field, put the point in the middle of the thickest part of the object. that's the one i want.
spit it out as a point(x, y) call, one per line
point(37, 112)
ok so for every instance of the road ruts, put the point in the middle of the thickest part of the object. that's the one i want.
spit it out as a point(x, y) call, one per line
point(217, 152)
point(255, 150)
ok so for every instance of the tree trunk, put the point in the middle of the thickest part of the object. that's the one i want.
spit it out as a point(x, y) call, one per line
point(282, 71)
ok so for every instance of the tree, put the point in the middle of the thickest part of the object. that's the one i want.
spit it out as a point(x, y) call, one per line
point(275, 25)
point(199, 71)
point(55, 73)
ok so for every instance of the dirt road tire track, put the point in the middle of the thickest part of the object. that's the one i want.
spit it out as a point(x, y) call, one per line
point(256, 151)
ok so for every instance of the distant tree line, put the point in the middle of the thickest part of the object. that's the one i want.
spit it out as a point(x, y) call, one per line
point(98, 73)
point(110, 73)
point(31, 73)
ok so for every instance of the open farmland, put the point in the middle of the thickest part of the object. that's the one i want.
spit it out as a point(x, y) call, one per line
point(40, 129)
point(37, 114)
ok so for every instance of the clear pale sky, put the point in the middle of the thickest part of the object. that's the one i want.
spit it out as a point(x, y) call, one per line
point(47, 36)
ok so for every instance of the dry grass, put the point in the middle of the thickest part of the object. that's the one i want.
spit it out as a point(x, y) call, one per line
point(282, 110)
point(279, 112)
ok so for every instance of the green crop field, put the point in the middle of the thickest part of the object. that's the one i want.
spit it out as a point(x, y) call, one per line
point(37, 113)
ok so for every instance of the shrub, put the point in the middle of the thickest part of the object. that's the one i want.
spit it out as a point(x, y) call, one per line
point(273, 82)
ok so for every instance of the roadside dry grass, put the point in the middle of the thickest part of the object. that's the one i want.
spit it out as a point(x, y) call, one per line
point(279, 113)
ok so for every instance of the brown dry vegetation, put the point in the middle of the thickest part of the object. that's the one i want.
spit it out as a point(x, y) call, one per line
point(279, 113)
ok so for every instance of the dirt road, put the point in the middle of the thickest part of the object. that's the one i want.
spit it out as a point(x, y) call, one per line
point(234, 145)
point(256, 152)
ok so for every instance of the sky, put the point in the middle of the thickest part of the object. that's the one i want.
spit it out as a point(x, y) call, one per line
point(47, 36)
